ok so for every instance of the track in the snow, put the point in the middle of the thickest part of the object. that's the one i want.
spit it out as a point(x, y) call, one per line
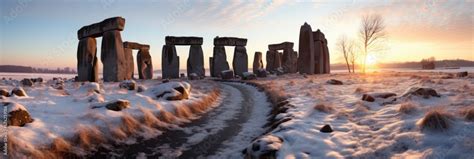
point(202, 137)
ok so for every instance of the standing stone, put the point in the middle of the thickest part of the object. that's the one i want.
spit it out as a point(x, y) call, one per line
point(219, 60)
point(145, 65)
point(195, 63)
point(318, 58)
point(240, 61)
point(257, 62)
point(277, 62)
point(211, 67)
point(306, 50)
point(327, 67)
point(289, 60)
point(271, 60)
point(169, 62)
point(87, 60)
point(130, 64)
point(112, 57)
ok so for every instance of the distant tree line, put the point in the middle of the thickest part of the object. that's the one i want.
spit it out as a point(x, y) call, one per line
point(28, 69)
point(428, 64)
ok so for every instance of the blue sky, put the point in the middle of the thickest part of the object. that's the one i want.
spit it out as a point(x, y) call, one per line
point(43, 33)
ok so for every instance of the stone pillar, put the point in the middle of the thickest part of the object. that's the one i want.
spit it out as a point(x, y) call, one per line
point(130, 64)
point(240, 61)
point(112, 57)
point(271, 60)
point(257, 62)
point(145, 65)
point(289, 61)
point(87, 60)
point(306, 50)
point(318, 58)
point(277, 62)
point(219, 61)
point(327, 67)
point(211, 67)
point(169, 62)
point(195, 63)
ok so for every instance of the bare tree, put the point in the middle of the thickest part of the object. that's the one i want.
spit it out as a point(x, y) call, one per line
point(352, 55)
point(371, 34)
point(346, 47)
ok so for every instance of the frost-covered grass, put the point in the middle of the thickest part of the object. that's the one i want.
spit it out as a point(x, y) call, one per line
point(71, 121)
point(380, 129)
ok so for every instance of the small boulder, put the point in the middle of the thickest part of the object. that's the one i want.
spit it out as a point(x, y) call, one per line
point(118, 105)
point(227, 74)
point(462, 74)
point(172, 90)
point(420, 91)
point(193, 76)
point(184, 94)
point(17, 114)
point(4, 92)
point(334, 82)
point(27, 82)
point(248, 76)
point(18, 91)
point(141, 88)
point(261, 73)
point(368, 98)
point(182, 75)
point(371, 97)
point(128, 84)
point(326, 129)
point(165, 80)
point(264, 147)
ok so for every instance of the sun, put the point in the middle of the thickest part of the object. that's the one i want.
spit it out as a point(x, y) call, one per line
point(371, 60)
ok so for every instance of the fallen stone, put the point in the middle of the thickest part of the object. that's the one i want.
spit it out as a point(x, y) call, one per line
point(193, 76)
point(334, 82)
point(172, 90)
point(128, 84)
point(17, 114)
point(227, 74)
point(420, 91)
point(18, 91)
point(184, 94)
point(265, 147)
point(165, 80)
point(326, 129)
point(27, 82)
point(4, 92)
point(261, 73)
point(248, 76)
point(118, 105)
point(462, 74)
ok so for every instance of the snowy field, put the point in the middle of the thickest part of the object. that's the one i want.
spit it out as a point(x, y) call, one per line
point(70, 117)
point(401, 126)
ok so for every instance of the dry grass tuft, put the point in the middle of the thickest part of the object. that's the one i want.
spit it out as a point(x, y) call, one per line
point(468, 113)
point(437, 120)
point(324, 108)
point(88, 136)
point(183, 111)
point(167, 117)
point(60, 146)
point(129, 124)
point(407, 108)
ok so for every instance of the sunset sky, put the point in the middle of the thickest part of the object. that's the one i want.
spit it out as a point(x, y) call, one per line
point(43, 33)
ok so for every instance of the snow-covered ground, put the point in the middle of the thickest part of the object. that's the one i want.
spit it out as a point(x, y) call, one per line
point(73, 119)
point(364, 129)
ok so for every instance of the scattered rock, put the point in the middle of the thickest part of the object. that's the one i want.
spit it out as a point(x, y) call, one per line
point(462, 74)
point(17, 114)
point(326, 129)
point(165, 80)
point(27, 82)
point(368, 98)
point(264, 147)
point(4, 92)
point(227, 74)
point(420, 91)
point(248, 76)
point(141, 88)
point(184, 94)
point(90, 87)
point(128, 84)
point(261, 73)
point(172, 90)
point(118, 105)
point(182, 75)
point(334, 82)
point(193, 76)
point(18, 91)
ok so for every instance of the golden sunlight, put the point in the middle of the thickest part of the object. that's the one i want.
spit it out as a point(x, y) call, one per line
point(371, 60)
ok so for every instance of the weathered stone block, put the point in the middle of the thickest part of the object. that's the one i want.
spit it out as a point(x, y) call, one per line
point(183, 40)
point(229, 41)
point(98, 29)
point(145, 65)
point(240, 61)
point(257, 62)
point(280, 46)
point(306, 57)
point(130, 64)
point(135, 46)
point(113, 57)
point(169, 62)
point(87, 69)
point(219, 60)
point(195, 63)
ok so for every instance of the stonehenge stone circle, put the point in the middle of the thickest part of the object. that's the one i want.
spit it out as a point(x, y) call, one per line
point(195, 62)
point(145, 65)
point(257, 62)
point(287, 61)
point(87, 69)
point(128, 47)
point(169, 62)
point(112, 51)
point(219, 61)
point(314, 52)
point(306, 57)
